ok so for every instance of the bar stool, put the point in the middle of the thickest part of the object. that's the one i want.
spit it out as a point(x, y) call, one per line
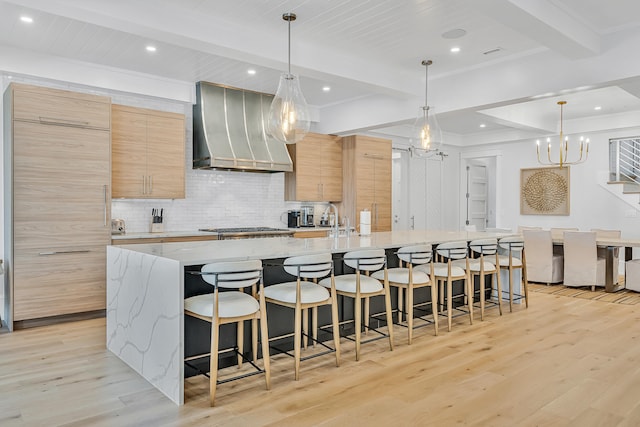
point(361, 286)
point(232, 306)
point(411, 278)
point(482, 267)
point(448, 272)
point(513, 260)
point(302, 294)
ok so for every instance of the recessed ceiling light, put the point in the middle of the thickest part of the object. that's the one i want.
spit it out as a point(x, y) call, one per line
point(26, 19)
point(482, 125)
point(326, 88)
point(597, 108)
point(251, 72)
point(151, 48)
point(454, 34)
point(455, 49)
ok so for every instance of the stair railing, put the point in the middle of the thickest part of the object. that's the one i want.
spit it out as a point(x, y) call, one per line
point(624, 159)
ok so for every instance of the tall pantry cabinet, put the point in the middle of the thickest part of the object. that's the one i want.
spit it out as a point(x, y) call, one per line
point(366, 165)
point(57, 201)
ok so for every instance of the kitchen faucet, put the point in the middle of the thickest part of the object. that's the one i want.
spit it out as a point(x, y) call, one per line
point(336, 226)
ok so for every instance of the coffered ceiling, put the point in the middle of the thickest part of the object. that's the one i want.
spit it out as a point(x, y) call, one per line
point(517, 57)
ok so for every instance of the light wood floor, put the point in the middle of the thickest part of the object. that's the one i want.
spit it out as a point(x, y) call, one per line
point(564, 361)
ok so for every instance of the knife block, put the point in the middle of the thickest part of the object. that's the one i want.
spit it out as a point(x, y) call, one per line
point(157, 227)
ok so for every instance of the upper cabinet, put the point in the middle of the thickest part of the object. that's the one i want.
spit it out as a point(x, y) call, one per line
point(367, 180)
point(147, 158)
point(317, 169)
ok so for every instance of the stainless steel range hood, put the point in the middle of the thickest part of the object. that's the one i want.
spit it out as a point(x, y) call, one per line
point(229, 131)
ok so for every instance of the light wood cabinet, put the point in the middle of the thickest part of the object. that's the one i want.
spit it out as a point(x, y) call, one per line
point(367, 180)
point(58, 186)
point(305, 234)
point(147, 153)
point(317, 169)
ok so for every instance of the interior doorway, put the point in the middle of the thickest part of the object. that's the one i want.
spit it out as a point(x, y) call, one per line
point(479, 194)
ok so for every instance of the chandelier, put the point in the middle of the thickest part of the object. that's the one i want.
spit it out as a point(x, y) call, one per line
point(564, 147)
point(289, 118)
point(427, 137)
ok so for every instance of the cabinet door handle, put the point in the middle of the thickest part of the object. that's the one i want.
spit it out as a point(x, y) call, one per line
point(150, 184)
point(104, 188)
point(376, 206)
point(144, 184)
point(77, 251)
point(62, 122)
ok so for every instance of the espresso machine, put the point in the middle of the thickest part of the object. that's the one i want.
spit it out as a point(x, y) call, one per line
point(306, 216)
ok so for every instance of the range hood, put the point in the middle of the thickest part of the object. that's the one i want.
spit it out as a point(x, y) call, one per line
point(230, 131)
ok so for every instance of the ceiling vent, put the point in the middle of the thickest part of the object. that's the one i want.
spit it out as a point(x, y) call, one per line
point(492, 51)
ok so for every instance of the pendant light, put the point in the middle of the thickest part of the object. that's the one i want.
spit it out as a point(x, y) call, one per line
point(427, 137)
point(563, 143)
point(289, 118)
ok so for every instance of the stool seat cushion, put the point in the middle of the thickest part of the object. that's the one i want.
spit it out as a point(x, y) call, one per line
point(474, 264)
point(232, 304)
point(286, 292)
point(347, 283)
point(401, 275)
point(440, 269)
point(504, 261)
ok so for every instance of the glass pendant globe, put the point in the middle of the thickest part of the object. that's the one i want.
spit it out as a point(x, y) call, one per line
point(427, 133)
point(289, 118)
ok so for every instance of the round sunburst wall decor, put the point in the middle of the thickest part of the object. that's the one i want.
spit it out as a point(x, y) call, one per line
point(544, 191)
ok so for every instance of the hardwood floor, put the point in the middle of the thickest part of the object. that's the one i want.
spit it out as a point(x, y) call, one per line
point(564, 361)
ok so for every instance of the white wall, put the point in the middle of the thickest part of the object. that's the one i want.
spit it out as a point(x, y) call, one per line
point(591, 205)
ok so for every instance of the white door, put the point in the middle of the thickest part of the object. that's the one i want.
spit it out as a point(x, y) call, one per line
point(417, 192)
point(400, 190)
point(477, 192)
point(435, 200)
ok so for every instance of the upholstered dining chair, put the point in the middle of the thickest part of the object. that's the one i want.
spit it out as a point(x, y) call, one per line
point(602, 251)
point(558, 232)
point(582, 267)
point(360, 286)
point(521, 228)
point(543, 266)
point(232, 306)
point(406, 277)
point(304, 294)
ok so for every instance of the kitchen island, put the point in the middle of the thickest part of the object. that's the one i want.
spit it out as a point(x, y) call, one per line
point(146, 289)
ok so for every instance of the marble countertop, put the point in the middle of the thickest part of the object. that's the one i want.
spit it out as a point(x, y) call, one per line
point(195, 233)
point(195, 253)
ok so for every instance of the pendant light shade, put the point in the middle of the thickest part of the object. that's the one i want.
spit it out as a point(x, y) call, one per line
point(289, 118)
point(427, 138)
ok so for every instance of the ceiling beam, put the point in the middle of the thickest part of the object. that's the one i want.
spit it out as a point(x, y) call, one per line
point(545, 22)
